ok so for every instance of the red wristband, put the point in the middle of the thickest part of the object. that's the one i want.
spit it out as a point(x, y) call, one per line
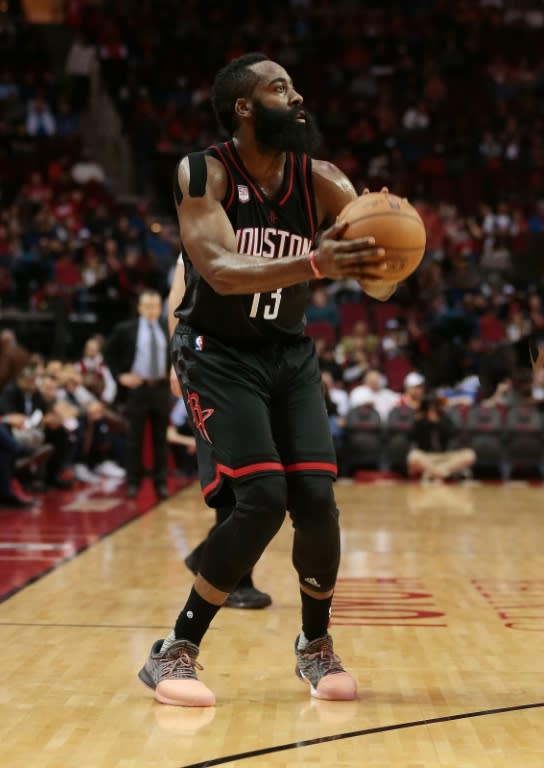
point(315, 268)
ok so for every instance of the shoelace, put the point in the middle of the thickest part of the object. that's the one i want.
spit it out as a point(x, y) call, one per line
point(327, 657)
point(180, 666)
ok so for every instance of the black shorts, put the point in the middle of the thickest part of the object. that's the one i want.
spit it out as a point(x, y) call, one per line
point(253, 412)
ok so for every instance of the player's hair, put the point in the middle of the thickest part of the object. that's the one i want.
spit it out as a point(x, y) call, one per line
point(234, 81)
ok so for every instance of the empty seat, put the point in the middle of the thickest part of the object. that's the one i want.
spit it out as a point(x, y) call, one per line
point(363, 444)
point(350, 314)
point(396, 369)
point(523, 441)
point(321, 330)
point(484, 431)
point(397, 442)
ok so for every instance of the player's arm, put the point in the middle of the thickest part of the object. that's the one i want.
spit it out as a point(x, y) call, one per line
point(210, 242)
point(333, 191)
point(175, 297)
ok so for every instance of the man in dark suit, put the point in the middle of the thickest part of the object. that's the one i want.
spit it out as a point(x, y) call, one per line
point(138, 356)
point(24, 397)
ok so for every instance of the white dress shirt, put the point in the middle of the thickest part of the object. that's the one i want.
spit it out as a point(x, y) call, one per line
point(142, 359)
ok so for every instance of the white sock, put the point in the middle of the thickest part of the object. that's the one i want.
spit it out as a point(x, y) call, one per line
point(168, 640)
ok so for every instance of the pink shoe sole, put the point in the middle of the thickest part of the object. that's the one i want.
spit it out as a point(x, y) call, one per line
point(184, 693)
point(337, 687)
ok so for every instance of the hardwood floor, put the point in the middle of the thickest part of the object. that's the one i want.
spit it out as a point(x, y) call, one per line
point(439, 613)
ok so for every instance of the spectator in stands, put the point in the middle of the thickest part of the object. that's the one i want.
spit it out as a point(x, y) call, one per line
point(103, 445)
point(93, 362)
point(321, 308)
point(337, 407)
point(59, 422)
point(9, 448)
point(327, 359)
point(67, 120)
point(518, 326)
point(395, 338)
point(336, 394)
point(181, 439)
point(538, 387)
point(359, 339)
point(13, 357)
point(414, 391)
point(79, 67)
point(40, 120)
point(357, 364)
point(502, 396)
point(431, 456)
point(87, 169)
point(374, 392)
point(137, 353)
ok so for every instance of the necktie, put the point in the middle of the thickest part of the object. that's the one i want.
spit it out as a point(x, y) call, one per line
point(154, 365)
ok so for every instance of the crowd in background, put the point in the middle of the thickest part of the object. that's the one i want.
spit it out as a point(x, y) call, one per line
point(441, 102)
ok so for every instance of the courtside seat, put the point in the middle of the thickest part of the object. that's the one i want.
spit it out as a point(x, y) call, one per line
point(524, 441)
point(363, 439)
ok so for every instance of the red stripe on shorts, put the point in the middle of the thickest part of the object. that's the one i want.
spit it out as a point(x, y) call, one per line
point(302, 466)
point(249, 469)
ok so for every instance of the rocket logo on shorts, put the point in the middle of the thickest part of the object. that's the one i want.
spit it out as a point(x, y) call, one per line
point(199, 416)
point(243, 193)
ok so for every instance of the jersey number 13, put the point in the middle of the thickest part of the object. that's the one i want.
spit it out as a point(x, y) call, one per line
point(270, 311)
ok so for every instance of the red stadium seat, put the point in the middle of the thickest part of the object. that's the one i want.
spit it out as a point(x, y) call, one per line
point(350, 314)
point(491, 329)
point(396, 369)
point(384, 312)
point(322, 330)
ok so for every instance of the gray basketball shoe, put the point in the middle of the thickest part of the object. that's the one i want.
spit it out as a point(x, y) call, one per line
point(318, 665)
point(172, 675)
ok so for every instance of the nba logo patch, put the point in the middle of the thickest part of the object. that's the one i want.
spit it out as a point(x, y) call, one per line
point(199, 343)
point(243, 193)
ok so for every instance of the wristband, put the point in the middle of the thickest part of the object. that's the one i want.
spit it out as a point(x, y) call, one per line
point(315, 268)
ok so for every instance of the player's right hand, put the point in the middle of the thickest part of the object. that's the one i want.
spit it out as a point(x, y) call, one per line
point(339, 259)
point(175, 389)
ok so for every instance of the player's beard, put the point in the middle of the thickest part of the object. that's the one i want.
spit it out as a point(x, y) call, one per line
point(278, 129)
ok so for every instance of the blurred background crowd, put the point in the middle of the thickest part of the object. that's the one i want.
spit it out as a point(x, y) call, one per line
point(442, 102)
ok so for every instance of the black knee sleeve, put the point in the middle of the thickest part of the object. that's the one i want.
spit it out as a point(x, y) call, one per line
point(237, 543)
point(316, 544)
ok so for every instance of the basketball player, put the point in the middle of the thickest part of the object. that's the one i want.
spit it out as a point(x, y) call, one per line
point(245, 594)
point(249, 210)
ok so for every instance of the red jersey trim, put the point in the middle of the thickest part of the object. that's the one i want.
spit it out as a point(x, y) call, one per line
point(242, 173)
point(231, 177)
point(287, 195)
point(307, 193)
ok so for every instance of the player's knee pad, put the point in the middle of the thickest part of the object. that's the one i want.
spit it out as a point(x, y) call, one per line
point(311, 502)
point(235, 546)
point(316, 545)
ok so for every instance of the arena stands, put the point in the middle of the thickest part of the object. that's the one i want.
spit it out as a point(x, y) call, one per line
point(441, 102)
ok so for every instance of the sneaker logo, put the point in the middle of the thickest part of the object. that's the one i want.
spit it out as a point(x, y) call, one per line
point(312, 581)
point(190, 614)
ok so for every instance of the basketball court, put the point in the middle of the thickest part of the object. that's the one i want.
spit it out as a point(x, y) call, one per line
point(439, 613)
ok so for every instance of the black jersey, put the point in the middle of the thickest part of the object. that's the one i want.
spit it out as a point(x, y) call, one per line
point(269, 228)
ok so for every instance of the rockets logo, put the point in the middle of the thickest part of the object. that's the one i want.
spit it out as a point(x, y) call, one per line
point(199, 415)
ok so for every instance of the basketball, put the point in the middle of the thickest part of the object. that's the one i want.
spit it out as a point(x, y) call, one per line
point(395, 225)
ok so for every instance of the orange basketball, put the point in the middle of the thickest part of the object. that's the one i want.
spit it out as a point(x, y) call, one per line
point(395, 225)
